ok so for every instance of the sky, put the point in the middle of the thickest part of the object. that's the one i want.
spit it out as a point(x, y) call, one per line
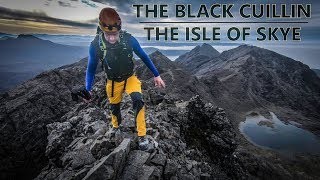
point(80, 17)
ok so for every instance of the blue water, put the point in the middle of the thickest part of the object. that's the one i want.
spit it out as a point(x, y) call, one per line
point(287, 139)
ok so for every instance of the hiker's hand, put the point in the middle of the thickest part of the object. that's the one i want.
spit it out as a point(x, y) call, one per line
point(158, 82)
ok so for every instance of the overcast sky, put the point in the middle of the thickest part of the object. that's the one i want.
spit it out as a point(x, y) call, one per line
point(79, 17)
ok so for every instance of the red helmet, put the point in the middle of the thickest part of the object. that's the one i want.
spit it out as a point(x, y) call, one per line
point(109, 20)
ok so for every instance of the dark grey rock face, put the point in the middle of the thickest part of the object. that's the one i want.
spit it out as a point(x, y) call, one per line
point(198, 56)
point(179, 83)
point(24, 113)
point(209, 126)
point(171, 157)
point(251, 77)
point(59, 139)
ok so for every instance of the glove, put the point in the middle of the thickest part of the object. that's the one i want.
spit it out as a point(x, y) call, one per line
point(80, 92)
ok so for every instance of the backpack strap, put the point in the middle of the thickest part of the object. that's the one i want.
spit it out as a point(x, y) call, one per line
point(102, 45)
point(103, 49)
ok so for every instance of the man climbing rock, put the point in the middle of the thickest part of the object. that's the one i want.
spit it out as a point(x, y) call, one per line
point(114, 47)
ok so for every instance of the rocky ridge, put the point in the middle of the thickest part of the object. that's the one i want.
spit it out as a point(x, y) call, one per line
point(193, 139)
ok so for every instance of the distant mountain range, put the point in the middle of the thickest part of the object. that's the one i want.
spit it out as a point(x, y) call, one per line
point(171, 54)
point(25, 56)
point(5, 38)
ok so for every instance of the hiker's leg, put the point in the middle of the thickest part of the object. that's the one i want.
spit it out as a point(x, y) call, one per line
point(139, 109)
point(133, 88)
point(114, 99)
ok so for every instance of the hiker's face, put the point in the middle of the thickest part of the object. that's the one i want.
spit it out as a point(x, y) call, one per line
point(111, 37)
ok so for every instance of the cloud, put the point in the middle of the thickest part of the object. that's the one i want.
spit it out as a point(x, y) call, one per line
point(39, 16)
point(132, 23)
point(89, 3)
point(64, 4)
point(124, 6)
point(30, 27)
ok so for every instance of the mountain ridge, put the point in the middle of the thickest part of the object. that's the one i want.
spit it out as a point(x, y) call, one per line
point(267, 74)
point(196, 139)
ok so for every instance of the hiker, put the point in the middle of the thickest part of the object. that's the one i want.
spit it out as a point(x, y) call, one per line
point(114, 47)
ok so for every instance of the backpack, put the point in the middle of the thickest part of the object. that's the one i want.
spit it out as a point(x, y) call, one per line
point(116, 59)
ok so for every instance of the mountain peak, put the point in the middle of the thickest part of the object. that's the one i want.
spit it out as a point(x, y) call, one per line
point(206, 45)
point(205, 50)
point(157, 53)
point(158, 56)
point(27, 36)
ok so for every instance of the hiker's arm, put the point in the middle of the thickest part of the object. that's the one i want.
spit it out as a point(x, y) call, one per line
point(91, 68)
point(143, 56)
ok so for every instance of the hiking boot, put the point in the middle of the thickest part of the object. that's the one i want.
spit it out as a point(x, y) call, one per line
point(143, 143)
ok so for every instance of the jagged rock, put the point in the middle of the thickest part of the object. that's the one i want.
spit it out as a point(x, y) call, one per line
point(101, 172)
point(94, 114)
point(81, 174)
point(109, 166)
point(205, 176)
point(156, 97)
point(78, 158)
point(100, 148)
point(135, 161)
point(159, 159)
point(208, 125)
point(96, 128)
point(171, 169)
point(59, 137)
point(187, 177)
point(67, 174)
point(148, 173)
point(75, 120)
point(50, 174)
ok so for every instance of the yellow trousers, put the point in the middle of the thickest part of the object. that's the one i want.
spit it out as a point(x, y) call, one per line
point(132, 86)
